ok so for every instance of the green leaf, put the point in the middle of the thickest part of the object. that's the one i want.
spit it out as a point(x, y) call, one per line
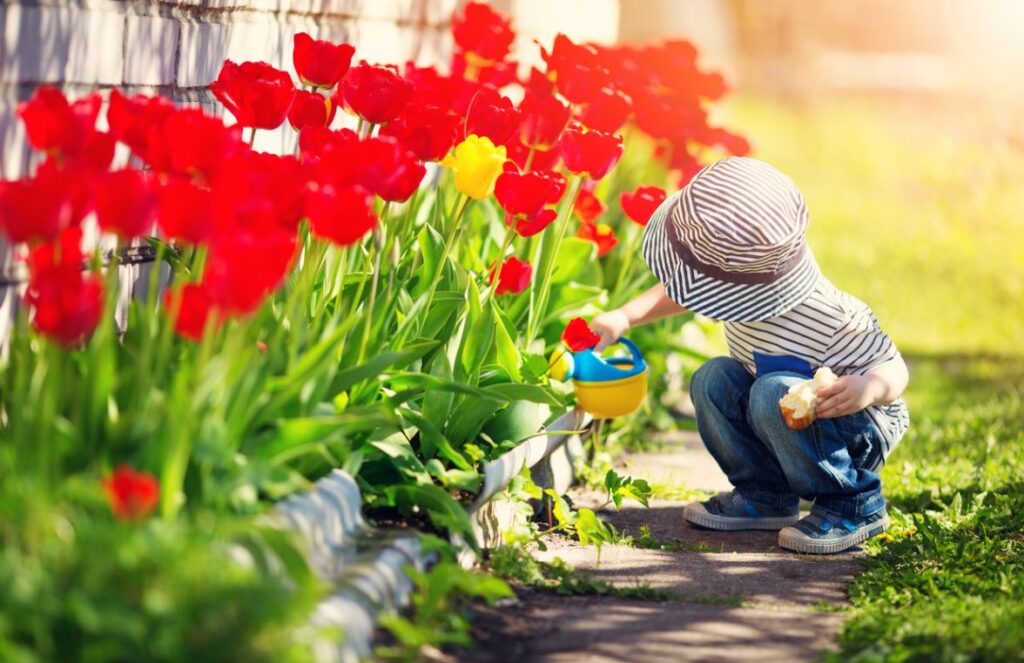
point(573, 257)
point(441, 507)
point(293, 437)
point(381, 362)
point(591, 529)
point(560, 509)
point(506, 353)
point(431, 247)
point(470, 418)
point(437, 404)
point(514, 391)
point(479, 334)
point(403, 457)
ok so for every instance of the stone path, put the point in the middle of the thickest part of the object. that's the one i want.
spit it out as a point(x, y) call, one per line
point(744, 599)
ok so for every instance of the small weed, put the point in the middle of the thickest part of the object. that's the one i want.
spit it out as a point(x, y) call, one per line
point(825, 606)
point(647, 541)
point(438, 616)
point(517, 565)
point(677, 491)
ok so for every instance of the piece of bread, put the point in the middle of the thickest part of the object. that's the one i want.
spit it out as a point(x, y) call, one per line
point(800, 403)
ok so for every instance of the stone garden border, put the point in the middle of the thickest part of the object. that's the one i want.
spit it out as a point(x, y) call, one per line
point(368, 565)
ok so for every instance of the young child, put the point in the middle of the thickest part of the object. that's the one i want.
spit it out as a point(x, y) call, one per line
point(731, 246)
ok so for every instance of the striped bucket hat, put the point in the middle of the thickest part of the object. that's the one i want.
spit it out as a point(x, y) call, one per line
point(731, 245)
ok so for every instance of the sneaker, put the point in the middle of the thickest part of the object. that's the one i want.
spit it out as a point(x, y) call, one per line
point(731, 511)
point(825, 533)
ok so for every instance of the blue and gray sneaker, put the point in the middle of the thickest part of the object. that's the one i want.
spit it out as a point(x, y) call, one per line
point(825, 533)
point(731, 511)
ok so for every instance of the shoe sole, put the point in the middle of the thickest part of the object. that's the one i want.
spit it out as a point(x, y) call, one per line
point(795, 540)
point(698, 515)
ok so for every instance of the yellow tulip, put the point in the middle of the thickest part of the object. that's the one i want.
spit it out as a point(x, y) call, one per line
point(477, 163)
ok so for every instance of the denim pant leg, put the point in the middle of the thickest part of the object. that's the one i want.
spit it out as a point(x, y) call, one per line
point(829, 461)
point(720, 390)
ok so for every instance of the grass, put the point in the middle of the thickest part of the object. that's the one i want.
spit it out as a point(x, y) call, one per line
point(925, 225)
point(908, 214)
point(946, 583)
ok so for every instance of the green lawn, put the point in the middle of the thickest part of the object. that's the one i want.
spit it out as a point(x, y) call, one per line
point(927, 226)
point(924, 225)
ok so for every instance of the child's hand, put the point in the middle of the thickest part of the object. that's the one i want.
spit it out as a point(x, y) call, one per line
point(850, 394)
point(610, 326)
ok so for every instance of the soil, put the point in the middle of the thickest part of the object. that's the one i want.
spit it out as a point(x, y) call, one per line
point(741, 597)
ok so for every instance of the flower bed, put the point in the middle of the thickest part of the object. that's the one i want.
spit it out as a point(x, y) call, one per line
point(381, 301)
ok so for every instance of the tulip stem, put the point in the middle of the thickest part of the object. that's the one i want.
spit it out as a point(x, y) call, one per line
point(627, 262)
point(499, 262)
point(547, 264)
point(378, 254)
point(451, 235)
point(529, 159)
point(252, 137)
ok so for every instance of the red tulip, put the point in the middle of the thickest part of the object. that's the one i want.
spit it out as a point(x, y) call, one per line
point(670, 116)
point(588, 207)
point(132, 495)
point(528, 226)
point(318, 62)
point(576, 70)
point(711, 86)
point(376, 93)
point(340, 215)
point(538, 84)
point(55, 125)
point(245, 267)
point(259, 193)
point(432, 88)
point(36, 208)
point(257, 94)
point(513, 278)
point(607, 111)
point(482, 33)
point(427, 131)
point(601, 235)
point(734, 144)
point(578, 335)
point(684, 163)
point(387, 169)
point(314, 141)
point(640, 205)
point(544, 119)
point(591, 153)
point(185, 211)
point(519, 154)
point(190, 307)
point(526, 194)
point(125, 203)
point(133, 120)
point(496, 75)
point(493, 116)
point(311, 109)
point(66, 304)
point(192, 143)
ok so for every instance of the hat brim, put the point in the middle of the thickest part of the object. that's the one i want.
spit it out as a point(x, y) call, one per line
point(714, 298)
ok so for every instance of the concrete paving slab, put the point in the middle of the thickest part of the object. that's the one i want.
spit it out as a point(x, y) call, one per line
point(562, 629)
point(759, 578)
point(682, 459)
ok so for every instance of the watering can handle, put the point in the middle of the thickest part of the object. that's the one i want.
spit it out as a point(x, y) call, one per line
point(631, 346)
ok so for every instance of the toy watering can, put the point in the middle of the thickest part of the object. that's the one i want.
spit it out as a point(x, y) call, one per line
point(606, 387)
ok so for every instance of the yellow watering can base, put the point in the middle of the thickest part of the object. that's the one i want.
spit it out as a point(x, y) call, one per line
point(612, 398)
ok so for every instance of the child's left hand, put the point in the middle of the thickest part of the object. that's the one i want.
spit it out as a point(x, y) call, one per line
point(850, 394)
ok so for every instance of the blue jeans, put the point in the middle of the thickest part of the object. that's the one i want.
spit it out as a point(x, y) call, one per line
point(832, 462)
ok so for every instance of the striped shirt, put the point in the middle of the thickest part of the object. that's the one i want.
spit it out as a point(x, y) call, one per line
point(829, 328)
